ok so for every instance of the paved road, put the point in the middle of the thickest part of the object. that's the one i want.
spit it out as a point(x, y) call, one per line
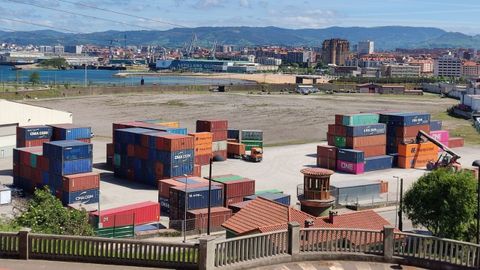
point(48, 265)
point(333, 265)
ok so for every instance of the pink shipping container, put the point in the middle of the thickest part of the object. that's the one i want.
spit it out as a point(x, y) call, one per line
point(133, 214)
point(350, 167)
point(440, 135)
point(81, 181)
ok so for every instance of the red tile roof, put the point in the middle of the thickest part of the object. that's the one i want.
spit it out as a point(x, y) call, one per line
point(317, 172)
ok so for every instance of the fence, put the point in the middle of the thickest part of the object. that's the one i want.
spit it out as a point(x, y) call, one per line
point(8, 244)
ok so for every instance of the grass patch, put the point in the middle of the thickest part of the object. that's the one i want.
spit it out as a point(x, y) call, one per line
point(459, 127)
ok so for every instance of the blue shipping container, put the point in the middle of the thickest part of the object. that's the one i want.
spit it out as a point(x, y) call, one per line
point(67, 150)
point(84, 197)
point(181, 131)
point(130, 135)
point(394, 159)
point(34, 132)
point(164, 206)
point(68, 167)
point(276, 197)
point(176, 163)
point(350, 155)
point(197, 198)
point(405, 119)
point(378, 163)
point(71, 132)
point(435, 125)
point(367, 130)
point(233, 134)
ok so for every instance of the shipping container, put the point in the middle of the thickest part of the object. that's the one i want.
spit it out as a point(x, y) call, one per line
point(405, 119)
point(354, 142)
point(197, 198)
point(67, 150)
point(366, 130)
point(371, 151)
point(412, 150)
point(133, 214)
point(418, 161)
point(164, 206)
point(327, 163)
point(203, 159)
point(235, 186)
point(251, 135)
point(337, 130)
point(349, 167)
point(201, 138)
point(70, 132)
point(82, 181)
point(338, 119)
point(454, 142)
point(68, 167)
point(172, 142)
point(440, 135)
point(340, 142)
point(330, 139)
point(276, 197)
point(274, 190)
point(212, 125)
point(26, 133)
point(327, 151)
point(356, 191)
point(252, 144)
point(360, 119)
point(164, 185)
point(407, 131)
point(435, 125)
point(235, 150)
point(219, 146)
point(350, 155)
point(236, 207)
point(233, 134)
point(378, 163)
point(84, 197)
point(219, 155)
point(219, 136)
point(160, 122)
point(197, 170)
point(198, 218)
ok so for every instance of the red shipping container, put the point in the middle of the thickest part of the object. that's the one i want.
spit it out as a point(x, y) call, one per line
point(237, 188)
point(134, 214)
point(164, 185)
point(372, 151)
point(222, 154)
point(198, 219)
point(233, 200)
point(337, 130)
point(410, 131)
point(440, 135)
point(339, 119)
point(455, 142)
point(158, 169)
point(235, 149)
point(26, 172)
point(31, 143)
point(81, 181)
point(197, 170)
point(173, 142)
point(36, 176)
point(354, 142)
point(141, 152)
point(211, 125)
point(202, 160)
point(42, 163)
point(110, 150)
point(331, 139)
point(327, 151)
point(219, 135)
point(326, 163)
point(130, 150)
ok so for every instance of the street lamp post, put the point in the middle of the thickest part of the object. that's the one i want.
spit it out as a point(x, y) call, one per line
point(185, 212)
point(400, 221)
point(476, 163)
point(396, 205)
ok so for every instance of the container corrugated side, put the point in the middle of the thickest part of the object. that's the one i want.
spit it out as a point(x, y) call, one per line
point(378, 163)
point(366, 130)
point(85, 197)
point(350, 155)
point(134, 214)
point(252, 135)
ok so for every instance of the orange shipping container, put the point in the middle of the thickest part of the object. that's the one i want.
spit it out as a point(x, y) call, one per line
point(173, 142)
point(203, 150)
point(383, 186)
point(197, 170)
point(237, 149)
point(372, 151)
point(411, 150)
point(169, 124)
point(353, 142)
point(202, 137)
point(420, 161)
point(82, 181)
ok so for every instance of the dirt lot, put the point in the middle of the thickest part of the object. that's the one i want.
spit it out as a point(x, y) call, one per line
point(285, 119)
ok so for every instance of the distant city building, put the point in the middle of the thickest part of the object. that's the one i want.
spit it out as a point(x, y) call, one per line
point(401, 70)
point(366, 47)
point(298, 57)
point(426, 65)
point(76, 49)
point(224, 48)
point(448, 66)
point(335, 51)
point(45, 49)
point(269, 61)
point(200, 65)
point(470, 69)
point(58, 50)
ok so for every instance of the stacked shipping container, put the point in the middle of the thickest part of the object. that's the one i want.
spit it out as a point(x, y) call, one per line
point(218, 128)
point(250, 138)
point(71, 132)
point(30, 136)
point(236, 187)
point(165, 185)
point(203, 147)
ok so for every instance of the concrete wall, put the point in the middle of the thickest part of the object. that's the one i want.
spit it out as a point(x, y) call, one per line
point(24, 114)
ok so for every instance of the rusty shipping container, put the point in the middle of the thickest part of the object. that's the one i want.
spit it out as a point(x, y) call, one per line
point(327, 151)
point(198, 219)
point(371, 151)
point(235, 186)
point(235, 150)
point(337, 130)
point(327, 163)
point(173, 142)
point(354, 142)
point(81, 181)
point(454, 142)
point(211, 125)
point(410, 131)
point(202, 160)
point(197, 170)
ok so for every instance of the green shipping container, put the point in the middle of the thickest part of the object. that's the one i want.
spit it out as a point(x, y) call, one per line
point(116, 232)
point(228, 178)
point(117, 159)
point(250, 143)
point(360, 119)
point(274, 191)
point(340, 141)
point(252, 135)
point(33, 161)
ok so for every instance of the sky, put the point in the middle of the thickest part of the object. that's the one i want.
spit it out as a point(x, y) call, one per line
point(84, 16)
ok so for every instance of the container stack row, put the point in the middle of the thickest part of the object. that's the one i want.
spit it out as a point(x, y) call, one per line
point(218, 128)
point(250, 138)
point(30, 136)
point(64, 166)
point(146, 155)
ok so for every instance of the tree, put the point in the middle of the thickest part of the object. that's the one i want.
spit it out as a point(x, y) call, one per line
point(58, 63)
point(444, 202)
point(34, 78)
point(46, 214)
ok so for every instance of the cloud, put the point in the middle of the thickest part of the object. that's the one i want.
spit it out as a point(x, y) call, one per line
point(209, 4)
point(244, 3)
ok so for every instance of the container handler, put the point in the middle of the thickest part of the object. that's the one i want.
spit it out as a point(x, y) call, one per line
point(448, 159)
point(256, 155)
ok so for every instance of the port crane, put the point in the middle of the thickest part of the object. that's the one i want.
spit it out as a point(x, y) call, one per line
point(448, 159)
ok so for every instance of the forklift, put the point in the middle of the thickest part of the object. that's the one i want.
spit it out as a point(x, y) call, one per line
point(448, 159)
point(256, 155)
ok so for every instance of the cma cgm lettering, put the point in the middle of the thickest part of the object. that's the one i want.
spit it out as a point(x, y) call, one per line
point(183, 156)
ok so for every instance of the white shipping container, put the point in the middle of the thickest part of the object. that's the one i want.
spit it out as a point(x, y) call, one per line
point(219, 146)
point(5, 196)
